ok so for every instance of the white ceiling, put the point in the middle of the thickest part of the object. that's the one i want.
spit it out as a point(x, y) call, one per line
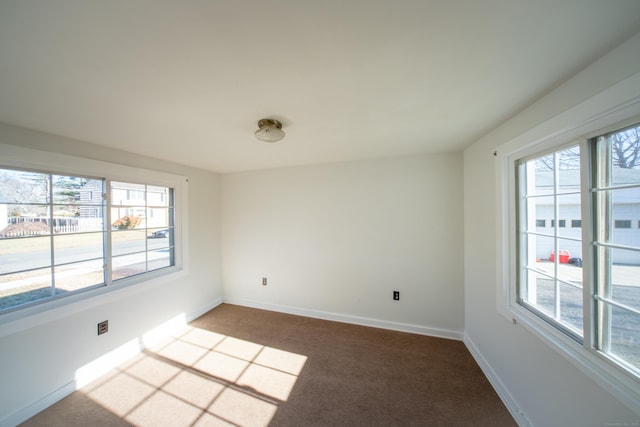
point(350, 79)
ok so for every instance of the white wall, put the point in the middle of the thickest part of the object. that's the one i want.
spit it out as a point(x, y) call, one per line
point(39, 362)
point(335, 240)
point(531, 377)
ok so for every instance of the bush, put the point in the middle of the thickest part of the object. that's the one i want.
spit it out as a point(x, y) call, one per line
point(25, 229)
point(127, 222)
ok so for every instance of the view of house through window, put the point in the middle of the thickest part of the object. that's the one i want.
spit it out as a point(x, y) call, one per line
point(552, 261)
point(60, 234)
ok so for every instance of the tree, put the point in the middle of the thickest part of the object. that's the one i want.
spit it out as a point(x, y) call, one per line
point(66, 194)
point(25, 193)
point(568, 159)
point(28, 192)
point(625, 148)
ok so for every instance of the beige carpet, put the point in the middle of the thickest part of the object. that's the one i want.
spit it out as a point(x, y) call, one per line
point(237, 366)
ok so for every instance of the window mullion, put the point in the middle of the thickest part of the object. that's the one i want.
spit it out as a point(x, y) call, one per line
point(588, 212)
point(172, 225)
point(146, 226)
point(107, 245)
point(556, 246)
point(51, 240)
point(603, 233)
point(604, 253)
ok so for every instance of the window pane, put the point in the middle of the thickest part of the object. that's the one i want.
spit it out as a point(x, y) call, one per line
point(128, 265)
point(159, 239)
point(541, 293)
point(127, 194)
point(128, 241)
point(63, 223)
point(22, 187)
point(571, 306)
point(540, 184)
point(91, 192)
point(159, 217)
point(157, 196)
point(544, 164)
point(77, 247)
point(625, 336)
point(540, 209)
point(625, 278)
point(569, 250)
point(159, 259)
point(624, 149)
point(569, 206)
point(87, 223)
point(127, 218)
point(569, 272)
point(73, 190)
point(72, 277)
point(569, 170)
point(23, 220)
point(21, 288)
point(625, 206)
point(159, 233)
point(24, 253)
point(542, 247)
point(620, 257)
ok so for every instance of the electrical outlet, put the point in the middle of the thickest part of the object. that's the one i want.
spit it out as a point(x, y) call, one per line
point(396, 295)
point(264, 281)
point(103, 327)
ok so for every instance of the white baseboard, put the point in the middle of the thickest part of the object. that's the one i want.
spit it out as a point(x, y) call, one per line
point(345, 318)
point(506, 397)
point(202, 310)
point(101, 366)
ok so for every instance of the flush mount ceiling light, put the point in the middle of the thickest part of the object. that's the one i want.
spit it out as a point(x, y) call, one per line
point(270, 130)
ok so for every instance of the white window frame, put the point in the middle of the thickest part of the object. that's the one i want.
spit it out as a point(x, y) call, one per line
point(25, 158)
point(608, 111)
point(562, 223)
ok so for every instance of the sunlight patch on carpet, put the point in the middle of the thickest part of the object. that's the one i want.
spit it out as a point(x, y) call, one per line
point(199, 377)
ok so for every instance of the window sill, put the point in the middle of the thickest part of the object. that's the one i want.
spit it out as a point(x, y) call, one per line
point(617, 381)
point(33, 316)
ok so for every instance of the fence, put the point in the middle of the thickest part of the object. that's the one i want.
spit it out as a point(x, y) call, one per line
point(37, 226)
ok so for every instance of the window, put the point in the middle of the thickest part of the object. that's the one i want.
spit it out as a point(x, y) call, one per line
point(63, 234)
point(541, 223)
point(135, 194)
point(550, 186)
point(140, 241)
point(616, 254)
point(622, 223)
point(596, 304)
